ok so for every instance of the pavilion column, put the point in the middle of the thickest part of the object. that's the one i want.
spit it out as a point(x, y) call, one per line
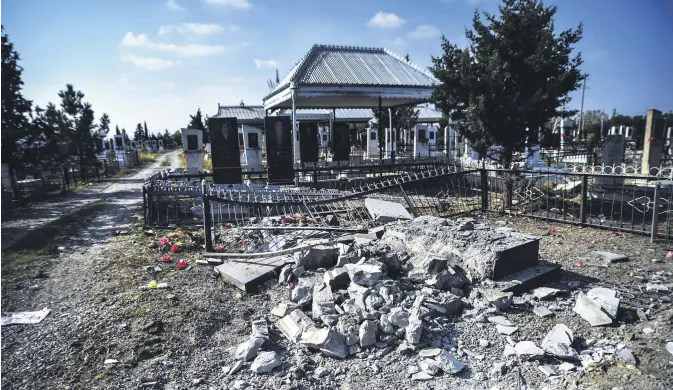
point(380, 124)
point(391, 139)
point(295, 134)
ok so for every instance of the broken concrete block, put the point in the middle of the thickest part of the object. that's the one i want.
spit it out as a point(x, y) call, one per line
point(414, 330)
point(656, 287)
point(590, 311)
point(448, 363)
point(392, 263)
point(498, 299)
point(364, 274)
point(300, 294)
point(430, 366)
point(364, 238)
point(378, 231)
point(247, 273)
point(337, 278)
point(500, 320)
point(527, 350)
point(542, 311)
point(285, 274)
point(426, 265)
point(506, 330)
point(248, 349)
point(605, 298)
point(319, 256)
point(323, 301)
point(384, 211)
point(669, 347)
point(329, 342)
point(298, 271)
point(421, 376)
point(398, 317)
point(294, 324)
point(282, 309)
point(609, 257)
point(385, 324)
point(430, 352)
point(367, 333)
point(345, 248)
point(265, 362)
point(542, 293)
point(260, 329)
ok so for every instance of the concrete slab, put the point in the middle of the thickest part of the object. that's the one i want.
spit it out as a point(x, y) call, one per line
point(524, 280)
point(247, 273)
point(384, 211)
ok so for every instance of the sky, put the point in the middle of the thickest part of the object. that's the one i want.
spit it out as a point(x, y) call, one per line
point(159, 60)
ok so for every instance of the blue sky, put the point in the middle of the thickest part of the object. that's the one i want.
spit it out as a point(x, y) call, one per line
point(159, 60)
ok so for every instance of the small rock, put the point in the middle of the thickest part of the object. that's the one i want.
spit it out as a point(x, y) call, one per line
point(648, 331)
point(421, 376)
point(368, 333)
point(605, 298)
point(527, 350)
point(429, 352)
point(500, 320)
point(108, 362)
point(655, 287)
point(265, 362)
point(543, 293)
point(547, 370)
point(499, 368)
point(566, 367)
point(609, 257)
point(414, 330)
point(590, 311)
point(430, 366)
point(627, 356)
point(197, 381)
point(248, 349)
point(240, 385)
point(484, 343)
point(500, 300)
point(448, 363)
point(282, 309)
point(506, 330)
point(542, 311)
point(236, 367)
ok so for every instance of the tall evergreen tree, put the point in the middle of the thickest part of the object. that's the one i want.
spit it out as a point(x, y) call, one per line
point(515, 75)
point(139, 134)
point(196, 121)
point(15, 108)
point(147, 134)
point(117, 131)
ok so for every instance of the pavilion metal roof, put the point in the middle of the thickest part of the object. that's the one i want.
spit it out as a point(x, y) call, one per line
point(351, 77)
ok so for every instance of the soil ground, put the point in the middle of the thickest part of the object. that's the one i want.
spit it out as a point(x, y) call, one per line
point(184, 334)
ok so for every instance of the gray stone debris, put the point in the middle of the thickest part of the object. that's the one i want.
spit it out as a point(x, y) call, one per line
point(430, 366)
point(558, 342)
point(429, 352)
point(319, 256)
point(414, 330)
point(328, 341)
point(609, 257)
point(448, 363)
point(669, 347)
point(265, 362)
point(248, 349)
point(547, 370)
point(240, 385)
point(364, 274)
point(294, 324)
point(626, 355)
point(542, 311)
point(590, 311)
point(398, 317)
point(384, 211)
point(236, 367)
point(542, 293)
point(656, 287)
point(498, 299)
point(421, 376)
point(484, 343)
point(323, 302)
point(260, 329)
point(500, 320)
point(527, 350)
point(499, 368)
point(284, 275)
point(606, 299)
point(367, 333)
point(337, 278)
point(567, 367)
point(300, 294)
point(506, 330)
point(282, 309)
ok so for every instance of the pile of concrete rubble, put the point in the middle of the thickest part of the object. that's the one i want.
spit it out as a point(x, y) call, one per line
point(401, 287)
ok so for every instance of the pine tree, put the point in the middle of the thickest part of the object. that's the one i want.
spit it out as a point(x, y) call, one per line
point(147, 134)
point(139, 133)
point(117, 130)
point(15, 108)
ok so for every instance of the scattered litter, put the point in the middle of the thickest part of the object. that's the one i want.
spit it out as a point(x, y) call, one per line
point(24, 317)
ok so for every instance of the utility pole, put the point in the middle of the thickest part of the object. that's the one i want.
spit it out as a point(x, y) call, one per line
point(581, 124)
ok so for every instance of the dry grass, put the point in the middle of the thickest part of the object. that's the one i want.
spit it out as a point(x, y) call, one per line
point(147, 158)
point(207, 162)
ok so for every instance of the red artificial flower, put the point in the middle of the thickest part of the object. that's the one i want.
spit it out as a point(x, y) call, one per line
point(282, 221)
point(650, 139)
point(227, 226)
point(614, 233)
point(293, 284)
point(241, 243)
point(182, 264)
point(669, 255)
point(660, 229)
point(579, 264)
point(219, 249)
point(165, 259)
point(164, 241)
point(553, 230)
point(112, 225)
point(175, 249)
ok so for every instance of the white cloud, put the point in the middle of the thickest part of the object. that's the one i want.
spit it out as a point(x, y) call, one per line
point(425, 31)
point(149, 63)
point(237, 4)
point(262, 64)
point(386, 20)
point(191, 50)
point(174, 6)
point(190, 28)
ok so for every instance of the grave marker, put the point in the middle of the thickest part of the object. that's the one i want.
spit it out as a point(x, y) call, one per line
point(654, 141)
point(225, 152)
point(612, 154)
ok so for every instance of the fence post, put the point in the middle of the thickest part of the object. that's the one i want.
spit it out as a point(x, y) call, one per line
point(145, 205)
point(655, 214)
point(97, 173)
point(484, 189)
point(583, 199)
point(207, 218)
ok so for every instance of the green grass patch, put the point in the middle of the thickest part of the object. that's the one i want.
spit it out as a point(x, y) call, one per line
point(147, 158)
point(165, 162)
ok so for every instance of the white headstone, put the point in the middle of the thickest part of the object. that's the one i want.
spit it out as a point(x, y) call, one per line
point(372, 143)
point(192, 141)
